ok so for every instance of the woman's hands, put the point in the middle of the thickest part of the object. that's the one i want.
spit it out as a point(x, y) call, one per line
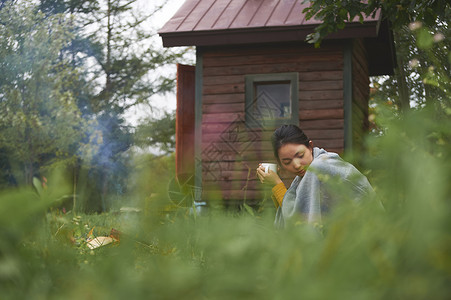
point(270, 178)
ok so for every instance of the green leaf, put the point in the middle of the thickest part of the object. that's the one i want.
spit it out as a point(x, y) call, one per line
point(425, 39)
point(37, 185)
point(431, 81)
point(249, 209)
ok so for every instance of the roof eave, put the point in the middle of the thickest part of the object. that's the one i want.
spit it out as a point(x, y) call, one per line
point(262, 35)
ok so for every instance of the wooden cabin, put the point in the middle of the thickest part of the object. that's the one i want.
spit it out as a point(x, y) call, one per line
point(254, 72)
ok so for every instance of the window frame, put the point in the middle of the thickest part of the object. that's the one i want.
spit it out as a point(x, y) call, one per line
point(250, 80)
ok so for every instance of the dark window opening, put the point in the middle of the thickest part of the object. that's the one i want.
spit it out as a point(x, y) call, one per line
point(272, 99)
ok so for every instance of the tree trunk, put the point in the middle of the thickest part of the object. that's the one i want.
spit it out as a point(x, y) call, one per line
point(108, 55)
point(104, 191)
point(29, 162)
point(403, 91)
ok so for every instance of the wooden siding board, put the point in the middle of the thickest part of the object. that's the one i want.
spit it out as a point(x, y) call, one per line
point(319, 114)
point(360, 74)
point(238, 166)
point(209, 162)
point(321, 124)
point(360, 94)
point(214, 127)
point(230, 146)
point(271, 58)
point(358, 115)
point(364, 89)
point(274, 68)
point(360, 54)
point(321, 75)
point(224, 88)
point(359, 78)
point(223, 108)
point(359, 97)
point(277, 49)
point(214, 80)
point(336, 150)
point(359, 68)
point(347, 94)
point(321, 85)
point(220, 117)
point(320, 95)
point(318, 134)
point(224, 98)
point(320, 104)
point(219, 128)
point(329, 143)
point(240, 169)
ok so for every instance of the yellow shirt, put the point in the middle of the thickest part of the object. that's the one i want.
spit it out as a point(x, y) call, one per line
point(278, 191)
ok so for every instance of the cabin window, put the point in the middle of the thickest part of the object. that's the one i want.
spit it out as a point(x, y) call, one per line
point(272, 99)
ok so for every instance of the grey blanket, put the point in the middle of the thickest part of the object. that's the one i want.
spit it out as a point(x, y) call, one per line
point(328, 180)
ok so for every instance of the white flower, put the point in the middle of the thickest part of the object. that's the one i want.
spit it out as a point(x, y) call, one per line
point(414, 63)
point(415, 25)
point(438, 37)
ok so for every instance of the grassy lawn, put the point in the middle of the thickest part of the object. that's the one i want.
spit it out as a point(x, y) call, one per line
point(359, 253)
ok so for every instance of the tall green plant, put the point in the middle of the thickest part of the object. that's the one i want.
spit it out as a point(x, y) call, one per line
point(159, 134)
point(40, 123)
point(418, 53)
point(335, 14)
point(361, 252)
point(427, 52)
point(115, 49)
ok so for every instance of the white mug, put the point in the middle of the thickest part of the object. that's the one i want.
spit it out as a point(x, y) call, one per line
point(269, 166)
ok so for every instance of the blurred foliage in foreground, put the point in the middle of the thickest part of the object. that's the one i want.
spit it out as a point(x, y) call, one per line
point(362, 253)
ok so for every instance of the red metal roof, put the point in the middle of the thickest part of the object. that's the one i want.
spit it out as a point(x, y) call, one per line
point(196, 21)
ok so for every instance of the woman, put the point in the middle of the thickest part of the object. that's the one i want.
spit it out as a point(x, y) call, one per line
point(323, 178)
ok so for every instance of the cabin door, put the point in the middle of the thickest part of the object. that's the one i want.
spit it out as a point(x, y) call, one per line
point(185, 118)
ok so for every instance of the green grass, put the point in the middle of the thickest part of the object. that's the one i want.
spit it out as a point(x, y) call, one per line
point(360, 252)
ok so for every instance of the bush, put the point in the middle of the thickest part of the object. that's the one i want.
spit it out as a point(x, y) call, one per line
point(365, 252)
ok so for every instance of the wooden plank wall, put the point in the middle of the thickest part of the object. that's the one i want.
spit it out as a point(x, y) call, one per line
point(360, 94)
point(230, 150)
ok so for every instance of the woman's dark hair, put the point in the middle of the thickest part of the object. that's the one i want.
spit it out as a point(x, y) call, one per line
point(288, 134)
